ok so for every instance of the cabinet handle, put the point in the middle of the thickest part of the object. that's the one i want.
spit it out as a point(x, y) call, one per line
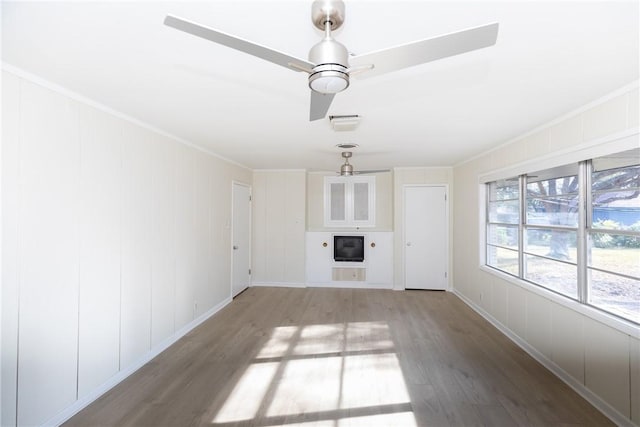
point(324, 244)
point(373, 244)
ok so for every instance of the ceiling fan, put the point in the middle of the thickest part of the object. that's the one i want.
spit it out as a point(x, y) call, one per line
point(330, 65)
point(347, 168)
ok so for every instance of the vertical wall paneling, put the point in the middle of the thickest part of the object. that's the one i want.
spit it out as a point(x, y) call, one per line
point(275, 256)
point(100, 230)
point(279, 214)
point(48, 252)
point(185, 231)
point(135, 320)
point(10, 231)
point(607, 365)
point(634, 375)
point(567, 337)
point(220, 202)
point(211, 206)
point(163, 254)
point(203, 292)
point(259, 227)
point(104, 248)
point(294, 210)
point(539, 324)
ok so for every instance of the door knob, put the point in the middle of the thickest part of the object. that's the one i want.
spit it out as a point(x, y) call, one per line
point(235, 247)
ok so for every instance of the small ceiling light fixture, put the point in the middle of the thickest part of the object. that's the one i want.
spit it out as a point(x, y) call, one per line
point(344, 123)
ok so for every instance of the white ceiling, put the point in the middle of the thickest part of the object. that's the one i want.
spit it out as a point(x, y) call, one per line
point(551, 57)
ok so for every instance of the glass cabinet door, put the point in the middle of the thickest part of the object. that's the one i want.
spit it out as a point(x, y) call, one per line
point(337, 201)
point(349, 201)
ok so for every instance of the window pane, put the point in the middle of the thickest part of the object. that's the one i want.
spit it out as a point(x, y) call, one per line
point(615, 252)
point(361, 201)
point(615, 294)
point(626, 178)
point(562, 211)
point(558, 244)
point(553, 200)
point(557, 276)
point(503, 236)
point(503, 259)
point(506, 189)
point(337, 202)
point(504, 212)
point(564, 186)
point(615, 191)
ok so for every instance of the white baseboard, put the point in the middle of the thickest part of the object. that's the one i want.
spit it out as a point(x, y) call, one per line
point(85, 401)
point(350, 285)
point(608, 410)
point(278, 284)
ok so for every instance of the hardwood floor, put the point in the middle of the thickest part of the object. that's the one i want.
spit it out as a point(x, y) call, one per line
point(342, 357)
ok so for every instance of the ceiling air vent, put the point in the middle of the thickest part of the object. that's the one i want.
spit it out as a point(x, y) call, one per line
point(344, 123)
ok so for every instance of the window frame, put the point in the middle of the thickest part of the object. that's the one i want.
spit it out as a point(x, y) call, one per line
point(583, 233)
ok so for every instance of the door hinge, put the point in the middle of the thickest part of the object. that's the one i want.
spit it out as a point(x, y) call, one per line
point(249, 272)
point(445, 197)
point(445, 274)
point(249, 197)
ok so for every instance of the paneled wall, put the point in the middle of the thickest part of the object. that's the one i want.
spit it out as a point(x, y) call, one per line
point(586, 349)
point(278, 232)
point(115, 240)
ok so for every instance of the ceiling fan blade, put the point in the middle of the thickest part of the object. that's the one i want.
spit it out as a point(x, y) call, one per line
point(422, 51)
point(320, 103)
point(371, 171)
point(237, 43)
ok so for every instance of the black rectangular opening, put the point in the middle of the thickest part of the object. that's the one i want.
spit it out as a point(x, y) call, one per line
point(348, 248)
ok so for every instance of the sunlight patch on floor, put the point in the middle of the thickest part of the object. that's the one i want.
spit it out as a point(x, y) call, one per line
point(247, 396)
point(335, 374)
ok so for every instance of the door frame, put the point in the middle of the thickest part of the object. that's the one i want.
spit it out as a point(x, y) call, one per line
point(404, 232)
point(233, 196)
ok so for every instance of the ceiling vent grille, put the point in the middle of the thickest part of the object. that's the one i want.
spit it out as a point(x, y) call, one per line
point(344, 123)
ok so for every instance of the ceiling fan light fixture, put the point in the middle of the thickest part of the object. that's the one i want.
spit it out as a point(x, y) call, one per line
point(328, 81)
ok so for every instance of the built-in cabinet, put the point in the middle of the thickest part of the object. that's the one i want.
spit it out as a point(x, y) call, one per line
point(376, 271)
point(349, 201)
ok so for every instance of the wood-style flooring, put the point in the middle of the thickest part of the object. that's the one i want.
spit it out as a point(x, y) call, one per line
point(342, 357)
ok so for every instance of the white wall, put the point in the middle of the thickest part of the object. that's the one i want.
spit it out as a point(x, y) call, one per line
point(116, 239)
point(406, 176)
point(278, 209)
point(587, 349)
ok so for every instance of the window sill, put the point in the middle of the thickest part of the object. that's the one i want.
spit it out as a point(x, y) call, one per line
point(617, 323)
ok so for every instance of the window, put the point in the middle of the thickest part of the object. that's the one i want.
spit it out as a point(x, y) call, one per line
point(574, 230)
point(613, 231)
point(503, 213)
point(550, 229)
point(349, 201)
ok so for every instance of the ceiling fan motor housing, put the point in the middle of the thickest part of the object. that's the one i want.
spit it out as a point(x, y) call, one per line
point(330, 75)
point(330, 56)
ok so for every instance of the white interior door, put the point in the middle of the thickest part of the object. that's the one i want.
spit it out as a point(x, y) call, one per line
point(241, 238)
point(425, 237)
